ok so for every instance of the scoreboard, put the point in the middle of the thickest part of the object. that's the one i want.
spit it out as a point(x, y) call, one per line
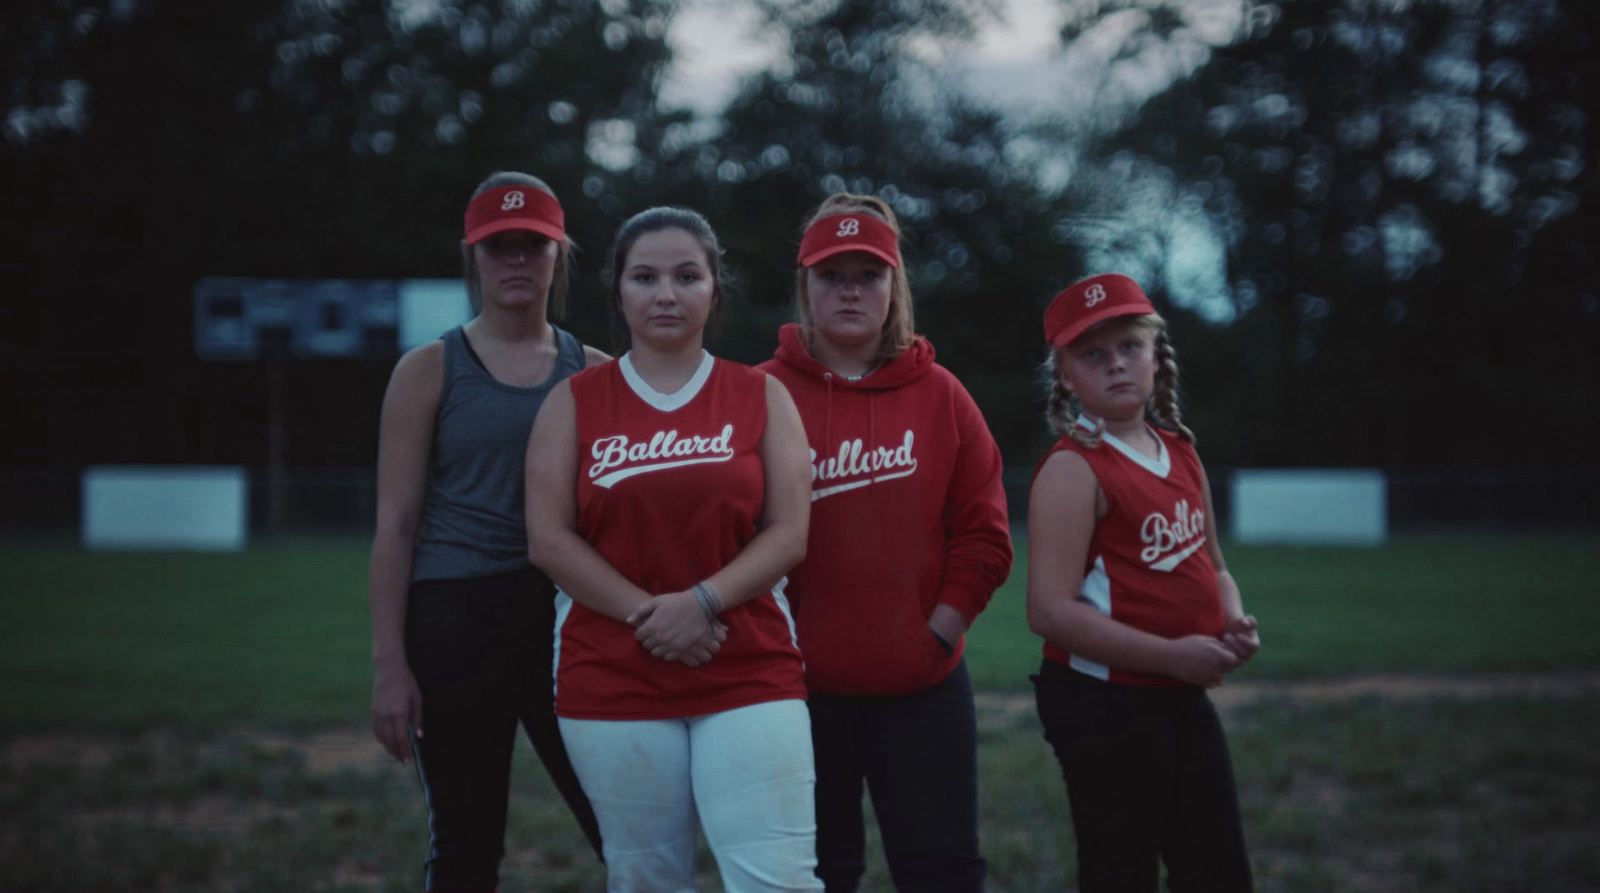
point(245, 319)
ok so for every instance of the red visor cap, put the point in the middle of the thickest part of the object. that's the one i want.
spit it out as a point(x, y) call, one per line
point(1090, 301)
point(839, 233)
point(514, 207)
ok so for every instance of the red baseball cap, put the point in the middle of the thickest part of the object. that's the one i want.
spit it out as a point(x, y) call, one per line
point(838, 233)
point(514, 207)
point(1090, 301)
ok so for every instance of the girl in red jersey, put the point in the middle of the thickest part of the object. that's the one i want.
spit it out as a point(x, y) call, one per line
point(909, 540)
point(460, 621)
point(1139, 614)
point(667, 497)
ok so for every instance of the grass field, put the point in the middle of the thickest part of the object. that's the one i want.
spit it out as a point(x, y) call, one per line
point(196, 722)
point(278, 635)
point(1421, 604)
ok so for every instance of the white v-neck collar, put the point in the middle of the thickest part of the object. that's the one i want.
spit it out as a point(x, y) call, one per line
point(1160, 466)
point(674, 400)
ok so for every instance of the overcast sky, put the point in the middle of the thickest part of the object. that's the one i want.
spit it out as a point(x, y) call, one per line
point(715, 42)
point(1018, 65)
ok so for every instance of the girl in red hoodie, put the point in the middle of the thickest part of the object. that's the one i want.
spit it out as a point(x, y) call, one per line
point(908, 541)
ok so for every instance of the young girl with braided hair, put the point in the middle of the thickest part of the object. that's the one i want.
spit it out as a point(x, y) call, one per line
point(1139, 614)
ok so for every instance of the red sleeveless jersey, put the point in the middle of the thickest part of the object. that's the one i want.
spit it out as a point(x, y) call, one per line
point(1147, 565)
point(669, 494)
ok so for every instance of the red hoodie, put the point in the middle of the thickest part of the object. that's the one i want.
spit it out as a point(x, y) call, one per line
point(907, 512)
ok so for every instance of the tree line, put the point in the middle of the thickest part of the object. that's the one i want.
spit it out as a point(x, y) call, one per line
point(1397, 202)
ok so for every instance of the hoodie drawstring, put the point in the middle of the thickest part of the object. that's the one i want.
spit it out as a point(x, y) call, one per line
point(827, 427)
point(872, 432)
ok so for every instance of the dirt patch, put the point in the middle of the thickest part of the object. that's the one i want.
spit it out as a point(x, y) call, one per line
point(322, 753)
point(326, 753)
point(222, 815)
point(71, 750)
point(338, 750)
point(1407, 687)
point(1001, 710)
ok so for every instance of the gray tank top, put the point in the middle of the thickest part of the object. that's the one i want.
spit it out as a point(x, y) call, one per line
point(472, 518)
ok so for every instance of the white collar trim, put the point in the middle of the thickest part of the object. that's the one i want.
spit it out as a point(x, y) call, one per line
point(1160, 466)
point(674, 400)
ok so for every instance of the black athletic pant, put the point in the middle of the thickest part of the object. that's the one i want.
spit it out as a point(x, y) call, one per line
point(918, 755)
point(481, 651)
point(1149, 779)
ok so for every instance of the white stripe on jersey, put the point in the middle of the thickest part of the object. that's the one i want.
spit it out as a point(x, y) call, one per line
point(563, 608)
point(607, 480)
point(1096, 592)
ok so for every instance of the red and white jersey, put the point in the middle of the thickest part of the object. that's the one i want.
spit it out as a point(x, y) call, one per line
point(1147, 566)
point(670, 488)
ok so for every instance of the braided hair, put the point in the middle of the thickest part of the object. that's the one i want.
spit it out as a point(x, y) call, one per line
point(1163, 409)
point(1062, 408)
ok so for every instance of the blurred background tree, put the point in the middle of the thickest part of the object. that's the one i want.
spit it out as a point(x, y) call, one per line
point(152, 144)
point(1402, 194)
point(1369, 223)
point(853, 109)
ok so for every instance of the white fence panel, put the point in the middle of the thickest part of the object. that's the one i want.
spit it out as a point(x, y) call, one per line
point(165, 507)
point(1311, 506)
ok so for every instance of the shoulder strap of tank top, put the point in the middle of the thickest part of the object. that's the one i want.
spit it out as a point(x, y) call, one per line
point(569, 354)
point(455, 348)
point(471, 353)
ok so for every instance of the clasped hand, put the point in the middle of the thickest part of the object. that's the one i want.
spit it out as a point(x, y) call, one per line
point(1242, 638)
point(1203, 660)
point(675, 627)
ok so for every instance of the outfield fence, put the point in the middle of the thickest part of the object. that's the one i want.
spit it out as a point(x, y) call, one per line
point(47, 500)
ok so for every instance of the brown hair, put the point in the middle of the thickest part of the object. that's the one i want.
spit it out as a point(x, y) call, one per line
point(1061, 413)
point(899, 327)
point(559, 283)
point(652, 220)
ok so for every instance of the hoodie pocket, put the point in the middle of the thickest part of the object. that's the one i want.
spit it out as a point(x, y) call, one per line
point(934, 658)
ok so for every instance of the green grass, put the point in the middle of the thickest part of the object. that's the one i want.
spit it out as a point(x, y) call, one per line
point(1435, 796)
point(157, 717)
point(1433, 604)
point(1446, 796)
point(1430, 797)
point(277, 635)
point(231, 811)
